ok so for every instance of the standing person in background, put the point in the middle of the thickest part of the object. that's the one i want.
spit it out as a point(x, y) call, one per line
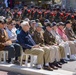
point(25, 12)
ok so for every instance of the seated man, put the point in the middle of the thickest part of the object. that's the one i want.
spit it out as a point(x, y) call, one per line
point(30, 47)
point(64, 37)
point(49, 40)
point(11, 31)
point(69, 31)
point(60, 42)
point(5, 42)
point(39, 39)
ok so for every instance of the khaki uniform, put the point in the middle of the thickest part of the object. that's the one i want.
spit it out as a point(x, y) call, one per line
point(40, 52)
point(50, 40)
point(31, 31)
point(39, 39)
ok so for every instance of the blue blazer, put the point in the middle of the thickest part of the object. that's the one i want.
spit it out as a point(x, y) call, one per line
point(25, 40)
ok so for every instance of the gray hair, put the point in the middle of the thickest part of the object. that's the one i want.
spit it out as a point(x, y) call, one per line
point(24, 23)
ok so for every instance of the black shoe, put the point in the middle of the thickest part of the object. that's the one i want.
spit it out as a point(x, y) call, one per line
point(9, 60)
point(53, 66)
point(63, 61)
point(57, 65)
point(48, 68)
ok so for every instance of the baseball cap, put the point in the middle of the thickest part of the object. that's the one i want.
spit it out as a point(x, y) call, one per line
point(39, 25)
point(61, 24)
point(54, 24)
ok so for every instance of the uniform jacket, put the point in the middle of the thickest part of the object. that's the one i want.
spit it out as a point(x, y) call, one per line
point(38, 37)
point(49, 38)
point(70, 34)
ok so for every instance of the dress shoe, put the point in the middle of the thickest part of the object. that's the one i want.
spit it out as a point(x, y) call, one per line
point(8, 61)
point(57, 65)
point(63, 61)
point(48, 68)
point(54, 67)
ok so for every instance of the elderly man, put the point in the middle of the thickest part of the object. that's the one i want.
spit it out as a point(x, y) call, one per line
point(32, 26)
point(30, 47)
point(64, 37)
point(49, 40)
point(59, 41)
point(69, 31)
point(5, 42)
point(39, 39)
point(11, 31)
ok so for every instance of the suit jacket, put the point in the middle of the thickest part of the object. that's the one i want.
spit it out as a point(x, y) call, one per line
point(70, 34)
point(49, 38)
point(25, 40)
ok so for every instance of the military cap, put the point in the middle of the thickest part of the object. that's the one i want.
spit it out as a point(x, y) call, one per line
point(54, 24)
point(48, 24)
point(32, 21)
point(37, 20)
point(68, 21)
point(46, 20)
point(61, 24)
point(39, 25)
